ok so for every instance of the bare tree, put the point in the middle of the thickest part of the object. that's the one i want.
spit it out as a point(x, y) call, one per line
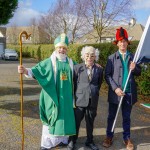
point(34, 30)
point(66, 17)
point(101, 14)
point(55, 22)
point(62, 14)
point(49, 24)
point(77, 17)
point(12, 34)
point(77, 25)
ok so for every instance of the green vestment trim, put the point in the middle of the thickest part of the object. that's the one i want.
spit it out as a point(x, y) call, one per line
point(65, 123)
point(125, 72)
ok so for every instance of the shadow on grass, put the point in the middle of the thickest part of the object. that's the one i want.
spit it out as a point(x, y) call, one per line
point(31, 82)
point(30, 108)
point(28, 82)
point(27, 91)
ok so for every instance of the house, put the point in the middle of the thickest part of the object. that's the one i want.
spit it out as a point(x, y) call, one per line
point(38, 35)
point(2, 39)
point(134, 33)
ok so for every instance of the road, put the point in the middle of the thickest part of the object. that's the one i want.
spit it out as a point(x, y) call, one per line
point(10, 122)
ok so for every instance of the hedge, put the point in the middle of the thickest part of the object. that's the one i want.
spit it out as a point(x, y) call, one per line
point(43, 51)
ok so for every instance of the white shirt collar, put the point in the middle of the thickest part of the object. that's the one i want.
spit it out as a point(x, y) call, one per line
point(122, 53)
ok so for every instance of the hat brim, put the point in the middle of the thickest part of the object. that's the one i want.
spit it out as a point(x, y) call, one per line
point(61, 44)
point(116, 42)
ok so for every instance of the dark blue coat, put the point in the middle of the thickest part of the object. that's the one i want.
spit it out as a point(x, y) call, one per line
point(114, 77)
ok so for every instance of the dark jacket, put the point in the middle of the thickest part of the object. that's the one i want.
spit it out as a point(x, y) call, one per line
point(83, 87)
point(114, 76)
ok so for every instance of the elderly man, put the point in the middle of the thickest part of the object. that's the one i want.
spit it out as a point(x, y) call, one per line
point(116, 72)
point(55, 76)
point(87, 82)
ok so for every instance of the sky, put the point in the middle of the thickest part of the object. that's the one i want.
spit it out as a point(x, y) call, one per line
point(28, 9)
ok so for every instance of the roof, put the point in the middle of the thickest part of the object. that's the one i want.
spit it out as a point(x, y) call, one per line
point(108, 35)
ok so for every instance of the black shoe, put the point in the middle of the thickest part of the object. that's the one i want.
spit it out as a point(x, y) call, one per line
point(60, 145)
point(91, 146)
point(71, 146)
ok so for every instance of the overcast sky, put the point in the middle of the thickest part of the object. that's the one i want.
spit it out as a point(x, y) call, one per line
point(29, 9)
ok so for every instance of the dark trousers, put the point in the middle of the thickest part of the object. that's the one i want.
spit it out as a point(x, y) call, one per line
point(89, 113)
point(126, 108)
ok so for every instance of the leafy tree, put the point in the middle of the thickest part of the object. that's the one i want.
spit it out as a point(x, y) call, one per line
point(7, 9)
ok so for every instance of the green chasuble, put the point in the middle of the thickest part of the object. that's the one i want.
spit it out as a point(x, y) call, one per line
point(56, 98)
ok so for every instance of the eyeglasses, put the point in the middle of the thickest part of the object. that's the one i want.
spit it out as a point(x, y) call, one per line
point(88, 55)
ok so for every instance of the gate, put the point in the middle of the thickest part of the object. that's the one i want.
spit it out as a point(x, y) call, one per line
point(1, 48)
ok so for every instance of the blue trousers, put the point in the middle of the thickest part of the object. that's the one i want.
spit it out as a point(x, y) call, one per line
point(126, 108)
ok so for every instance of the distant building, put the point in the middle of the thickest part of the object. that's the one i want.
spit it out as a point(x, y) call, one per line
point(38, 35)
point(108, 35)
point(2, 39)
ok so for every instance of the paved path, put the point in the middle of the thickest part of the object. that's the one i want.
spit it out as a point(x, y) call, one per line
point(10, 120)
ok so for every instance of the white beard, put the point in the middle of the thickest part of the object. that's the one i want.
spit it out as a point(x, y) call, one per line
point(60, 56)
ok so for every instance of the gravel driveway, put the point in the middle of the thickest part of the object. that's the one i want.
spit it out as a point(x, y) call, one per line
point(10, 122)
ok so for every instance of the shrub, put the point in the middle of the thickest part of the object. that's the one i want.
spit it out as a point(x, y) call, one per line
point(43, 51)
point(39, 53)
point(144, 80)
point(32, 54)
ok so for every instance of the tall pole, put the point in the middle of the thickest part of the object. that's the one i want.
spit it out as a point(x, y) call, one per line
point(21, 85)
point(120, 102)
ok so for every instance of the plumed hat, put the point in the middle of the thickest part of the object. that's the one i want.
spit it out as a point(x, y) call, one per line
point(120, 35)
point(61, 40)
